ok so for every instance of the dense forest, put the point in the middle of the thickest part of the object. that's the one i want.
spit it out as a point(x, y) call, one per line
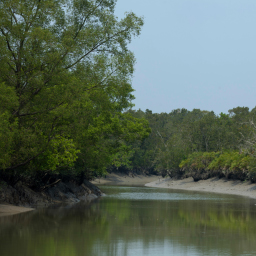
point(197, 143)
point(66, 103)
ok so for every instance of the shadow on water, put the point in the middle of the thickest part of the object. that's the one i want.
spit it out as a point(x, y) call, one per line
point(135, 221)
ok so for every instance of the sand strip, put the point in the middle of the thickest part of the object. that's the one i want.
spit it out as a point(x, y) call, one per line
point(6, 209)
point(125, 180)
point(213, 185)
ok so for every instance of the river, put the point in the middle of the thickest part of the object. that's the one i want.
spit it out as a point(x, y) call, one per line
point(136, 221)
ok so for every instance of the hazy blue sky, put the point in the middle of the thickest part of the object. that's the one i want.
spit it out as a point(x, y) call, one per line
point(194, 54)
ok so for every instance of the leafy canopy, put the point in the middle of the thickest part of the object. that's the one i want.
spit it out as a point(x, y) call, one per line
point(67, 70)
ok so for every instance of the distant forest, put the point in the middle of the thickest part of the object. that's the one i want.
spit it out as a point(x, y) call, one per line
point(197, 143)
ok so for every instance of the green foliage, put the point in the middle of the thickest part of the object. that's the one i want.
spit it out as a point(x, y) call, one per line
point(231, 164)
point(66, 99)
point(195, 141)
point(198, 161)
point(66, 70)
point(8, 125)
point(62, 152)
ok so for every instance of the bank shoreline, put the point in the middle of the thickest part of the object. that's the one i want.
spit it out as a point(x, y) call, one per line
point(121, 179)
point(63, 192)
point(20, 198)
point(7, 209)
point(212, 185)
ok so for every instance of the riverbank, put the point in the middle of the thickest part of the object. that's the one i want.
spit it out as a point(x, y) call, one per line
point(213, 185)
point(120, 179)
point(6, 210)
point(21, 198)
point(87, 191)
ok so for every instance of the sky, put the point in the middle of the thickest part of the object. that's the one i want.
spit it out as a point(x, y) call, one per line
point(194, 54)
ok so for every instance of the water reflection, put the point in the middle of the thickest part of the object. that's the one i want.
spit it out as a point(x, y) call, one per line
point(136, 221)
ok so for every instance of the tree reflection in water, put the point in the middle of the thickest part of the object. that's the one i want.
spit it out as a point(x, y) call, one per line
point(116, 225)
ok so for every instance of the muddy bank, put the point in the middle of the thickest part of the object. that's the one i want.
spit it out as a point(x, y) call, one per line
point(60, 192)
point(213, 185)
point(121, 179)
point(6, 210)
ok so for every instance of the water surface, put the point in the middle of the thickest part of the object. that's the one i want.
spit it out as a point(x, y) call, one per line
point(136, 221)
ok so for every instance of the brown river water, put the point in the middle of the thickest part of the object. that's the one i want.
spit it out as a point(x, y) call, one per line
point(136, 221)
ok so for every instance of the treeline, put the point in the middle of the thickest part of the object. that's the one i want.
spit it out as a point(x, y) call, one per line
point(65, 82)
point(198, 143)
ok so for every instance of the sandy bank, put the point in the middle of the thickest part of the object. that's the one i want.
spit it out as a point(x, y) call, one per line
point(215, 185)
point(125, 180)
point(6, 209)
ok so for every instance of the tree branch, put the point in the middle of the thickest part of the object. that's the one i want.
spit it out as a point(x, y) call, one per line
point(41, 112)
point(82, 24)
point(95, 47)
point(8, 44)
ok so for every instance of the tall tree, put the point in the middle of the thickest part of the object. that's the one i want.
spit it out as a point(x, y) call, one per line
point(67, 66)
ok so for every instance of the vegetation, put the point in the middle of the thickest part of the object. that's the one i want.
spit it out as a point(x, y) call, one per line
point(229, 164)
point(65, 81)
point(66, 99)
point(198, 143)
